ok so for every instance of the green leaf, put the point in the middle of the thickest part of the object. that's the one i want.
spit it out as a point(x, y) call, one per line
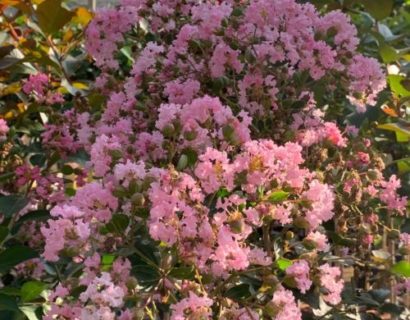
point(222, 193)
point(31, 290)
point(52, 16)
point(4, 231)
point(183, 273)
point(283, 263)
point(107, 261)
point(239, 292)
point(391, 308)
point(6, 176)
point(278, 196)
point(402, 130)
point(379, 9)
point(7, 62)
point(67, 170)
point(338, 239)
point(127, 52)
point(403, 165)
point(388, 53)
point(118, 223)
point(401, 268)
point(192, 156)
point(8, 303)
point(10, 291)
point(146, 275)
point(9, 205)
point(36, 215)
point(397, 85)
point(15, 255)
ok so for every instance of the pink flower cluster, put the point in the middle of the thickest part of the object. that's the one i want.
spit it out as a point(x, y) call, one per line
point(38, 85)
point(211, 145)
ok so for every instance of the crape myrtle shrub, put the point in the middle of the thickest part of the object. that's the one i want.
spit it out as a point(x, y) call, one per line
point(220, 178)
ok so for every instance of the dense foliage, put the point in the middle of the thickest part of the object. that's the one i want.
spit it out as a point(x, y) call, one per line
point(180, 159)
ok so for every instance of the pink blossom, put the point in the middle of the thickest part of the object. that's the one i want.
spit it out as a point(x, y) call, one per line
point(299, 270)
point(192, 307)
point(285, 303)
point(319, 239)
point(333, 285)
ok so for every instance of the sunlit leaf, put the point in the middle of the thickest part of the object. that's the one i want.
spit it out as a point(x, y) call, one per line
point(82, 16)
point(31, 290)
point(52, 16)
point(401, 268)
point(284, 263)
point(396, 85)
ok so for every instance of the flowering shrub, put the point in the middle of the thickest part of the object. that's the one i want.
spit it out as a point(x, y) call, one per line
point(216, 181)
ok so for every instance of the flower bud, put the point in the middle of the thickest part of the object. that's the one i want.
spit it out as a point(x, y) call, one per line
point(169, 130)
point(138, 200)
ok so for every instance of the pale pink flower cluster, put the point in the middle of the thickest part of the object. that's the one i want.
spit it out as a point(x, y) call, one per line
point(331, 282)
point(390, 196)
point(319, 240)
point(286, 306)
point(192, 307)
point(367, 80)
point(201, 122)
point(299, 270)
point(105, 32)
point(4, 128)
point(203, 148)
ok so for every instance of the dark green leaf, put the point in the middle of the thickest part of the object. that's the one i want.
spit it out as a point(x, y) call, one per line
point(7, 62)
point(7, 303)
point(36, 215)
point(380, 294)
point(6, 176)
point(379, 9)
point(12, 204)
point(15, 255)
point(239, 292)
point(4, 231)
point(192, 156)
point(67, 170)
point(10, 291)
point(184, 272)
point(146, 274)
point(391, 308)
point(118, 223)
